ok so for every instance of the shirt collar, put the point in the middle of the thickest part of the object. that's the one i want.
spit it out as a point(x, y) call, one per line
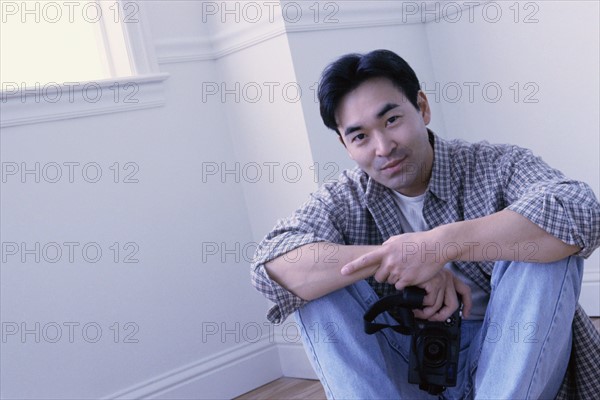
point(441, 174)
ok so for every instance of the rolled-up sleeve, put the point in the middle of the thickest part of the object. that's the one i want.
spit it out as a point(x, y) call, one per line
point(318, 220)
point(285, 301)
point(565, 208)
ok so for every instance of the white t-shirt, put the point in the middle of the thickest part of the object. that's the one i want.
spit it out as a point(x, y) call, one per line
point(412, 220)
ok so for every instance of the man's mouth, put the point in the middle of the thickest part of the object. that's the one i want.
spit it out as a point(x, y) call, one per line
point(391, 164)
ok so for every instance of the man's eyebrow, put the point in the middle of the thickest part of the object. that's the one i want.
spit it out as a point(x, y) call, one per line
point(351, 129)
point(387, 107)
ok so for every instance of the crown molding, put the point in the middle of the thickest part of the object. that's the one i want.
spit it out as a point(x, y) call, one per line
point(226, 39)
point(185, 49)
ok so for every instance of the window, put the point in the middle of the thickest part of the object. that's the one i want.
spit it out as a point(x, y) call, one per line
point(60, 59)
point(46, 41)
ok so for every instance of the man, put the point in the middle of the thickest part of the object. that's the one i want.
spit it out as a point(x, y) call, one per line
point(492, 223)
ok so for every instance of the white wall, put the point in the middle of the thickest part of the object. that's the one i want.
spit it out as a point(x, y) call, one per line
point(550, 58)
point(179, 216)
point(176, 291)
point(269, 136)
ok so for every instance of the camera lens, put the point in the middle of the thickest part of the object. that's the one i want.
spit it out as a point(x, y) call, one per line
point(434, 352)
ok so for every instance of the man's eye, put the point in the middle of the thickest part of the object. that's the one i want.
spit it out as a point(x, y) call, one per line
point(358, 137)
point(392, 119)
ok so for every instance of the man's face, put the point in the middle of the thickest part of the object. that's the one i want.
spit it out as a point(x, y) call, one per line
point(387, 136)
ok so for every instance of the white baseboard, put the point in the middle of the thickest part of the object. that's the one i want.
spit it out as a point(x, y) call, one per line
point(222, 376)
point(590, 293)
point(292, 356)
point(294, 362)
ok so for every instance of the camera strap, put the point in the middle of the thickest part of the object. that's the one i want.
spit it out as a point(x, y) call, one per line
point(399, 306)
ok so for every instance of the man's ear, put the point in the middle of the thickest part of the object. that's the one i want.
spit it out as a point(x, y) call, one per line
point(424, 109)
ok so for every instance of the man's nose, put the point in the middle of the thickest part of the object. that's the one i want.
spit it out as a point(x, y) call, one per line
point(384, 145)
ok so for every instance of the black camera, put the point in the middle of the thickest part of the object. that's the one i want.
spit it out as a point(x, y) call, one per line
point(433, 360)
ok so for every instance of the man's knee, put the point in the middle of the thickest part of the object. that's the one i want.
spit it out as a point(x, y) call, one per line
point(525, 274)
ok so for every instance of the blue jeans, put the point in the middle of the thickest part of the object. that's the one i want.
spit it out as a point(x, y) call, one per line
point(519, 351)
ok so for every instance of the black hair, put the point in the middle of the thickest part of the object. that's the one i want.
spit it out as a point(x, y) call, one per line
point(349, 71)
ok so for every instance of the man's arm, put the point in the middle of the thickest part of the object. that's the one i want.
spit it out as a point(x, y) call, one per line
point(505, 235)
point(313, 270)
point(415, 258)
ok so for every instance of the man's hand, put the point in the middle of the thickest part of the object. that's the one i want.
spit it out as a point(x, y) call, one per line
point(441, 298)
point(409, 259)
point(413, 259)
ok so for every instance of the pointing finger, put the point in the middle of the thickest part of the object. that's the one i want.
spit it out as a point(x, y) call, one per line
point(370, 259)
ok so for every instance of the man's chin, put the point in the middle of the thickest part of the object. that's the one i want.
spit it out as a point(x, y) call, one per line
point(394, 183)
point(405, 185)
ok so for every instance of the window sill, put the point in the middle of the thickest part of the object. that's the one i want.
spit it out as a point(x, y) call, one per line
point(53, 102)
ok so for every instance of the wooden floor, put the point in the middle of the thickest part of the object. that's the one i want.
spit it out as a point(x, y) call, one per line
point(300, 389)
point(288, 389)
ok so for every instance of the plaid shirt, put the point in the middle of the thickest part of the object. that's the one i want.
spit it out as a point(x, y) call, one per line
point(468, 181)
